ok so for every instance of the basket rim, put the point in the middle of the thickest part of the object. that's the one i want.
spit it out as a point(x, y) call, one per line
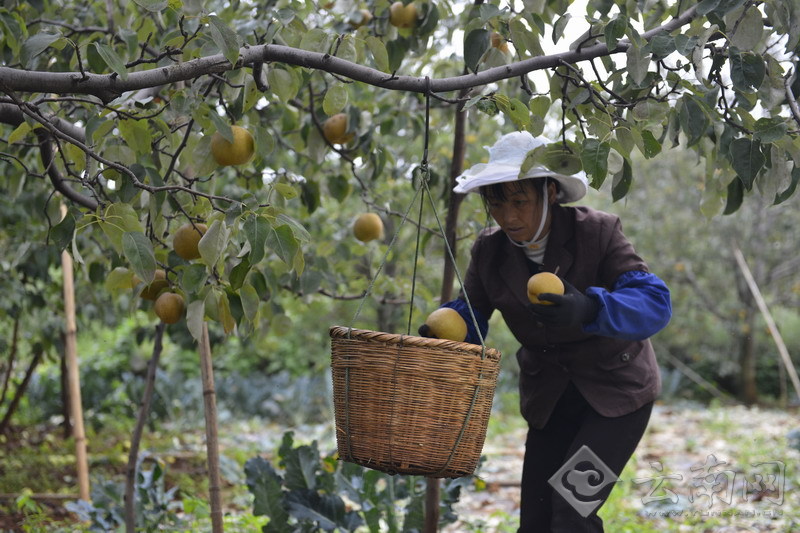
point(366, 335)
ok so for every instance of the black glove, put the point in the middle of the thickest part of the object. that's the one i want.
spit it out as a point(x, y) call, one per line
point(425, 331)
point(572, 309)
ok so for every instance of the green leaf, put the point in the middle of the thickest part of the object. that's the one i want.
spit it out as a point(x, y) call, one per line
point(693, 119)
point(195, 316)
point(224, 313)
point(138, 251)
point(118, 219)
point(335, 99)
point(301, 464)
point(785, 195)
point(193, 278)
point(16, 30)
point(346, 49)
point(265, 143)
point(559, 26)
point(118, 278)
point(19, 133)
point(650, 111)
point(622, 181)
point(310, 195)
point(136, 135)
point(747, 71)
point(735, 196)
point(327, 511)
point(397, 50)
point(316, 40)
point(525, 40)
point(615, 30)
point(516, 111)
point(282, 241)
point(661, 46)
point(747, 160)
point(475, 45)
point(638, 63)
point(239, 273)
point(282, 83)
point(749, 30)
point(35, 45)
point(250, 301)
point(256, 228)
point(339, 187)
point(225, 38)
point(287, 190)
point(300, 232)
point(213, 243)
point(266, 486)
point(594, 157)
point(379, 54)
point(112, 59)
point(767, 130)
point(63, 232)
point(651, 146)
point(153, 6)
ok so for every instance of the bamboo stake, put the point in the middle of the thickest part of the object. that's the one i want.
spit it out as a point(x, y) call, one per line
point(73, 378)
point(773, 328)
point(212, 439)
point(136, 438)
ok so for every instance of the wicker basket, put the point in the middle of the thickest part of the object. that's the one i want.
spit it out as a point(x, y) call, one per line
point(411, 405)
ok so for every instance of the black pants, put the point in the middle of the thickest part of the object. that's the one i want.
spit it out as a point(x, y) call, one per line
point(573, 427)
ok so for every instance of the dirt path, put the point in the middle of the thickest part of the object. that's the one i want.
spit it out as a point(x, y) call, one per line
point(719, 469)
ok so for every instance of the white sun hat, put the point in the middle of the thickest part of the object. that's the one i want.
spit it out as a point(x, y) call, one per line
point(505, 163)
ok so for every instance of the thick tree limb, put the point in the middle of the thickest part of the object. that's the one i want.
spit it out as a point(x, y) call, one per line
point(108, 87)
point(13, 115)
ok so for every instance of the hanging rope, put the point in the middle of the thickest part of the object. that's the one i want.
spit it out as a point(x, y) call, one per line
point(421, 188)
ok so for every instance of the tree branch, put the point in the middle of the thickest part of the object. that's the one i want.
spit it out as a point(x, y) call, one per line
point(107, 87)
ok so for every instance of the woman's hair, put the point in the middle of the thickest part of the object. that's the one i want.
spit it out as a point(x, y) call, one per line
point(497, 191)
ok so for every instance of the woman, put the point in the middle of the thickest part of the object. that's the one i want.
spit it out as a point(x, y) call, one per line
point(588, 374)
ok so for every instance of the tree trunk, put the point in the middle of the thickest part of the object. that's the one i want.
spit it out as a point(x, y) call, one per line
point(141, 420)
point(748, 390)
point(20, 392)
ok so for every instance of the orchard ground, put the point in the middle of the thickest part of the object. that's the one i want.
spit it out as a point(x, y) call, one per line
point(704, 468)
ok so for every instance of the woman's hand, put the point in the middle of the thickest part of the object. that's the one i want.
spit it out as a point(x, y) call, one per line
point(572, 309)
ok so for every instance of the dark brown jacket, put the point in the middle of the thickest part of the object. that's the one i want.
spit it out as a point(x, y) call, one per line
point(589, 249)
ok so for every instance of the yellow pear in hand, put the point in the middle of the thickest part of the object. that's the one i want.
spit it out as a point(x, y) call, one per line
point(544, 282)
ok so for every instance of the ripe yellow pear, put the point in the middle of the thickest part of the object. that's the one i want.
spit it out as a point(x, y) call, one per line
point(238, 152)
point(544, 282)
point(159, 283)
point(368, 227)
point(169, 307)
point(446, 323)
point(402, 16)
point(186, 239)
point(334, 129)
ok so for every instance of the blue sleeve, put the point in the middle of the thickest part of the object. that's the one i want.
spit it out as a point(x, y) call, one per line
point(483, 324)
point(638, 307)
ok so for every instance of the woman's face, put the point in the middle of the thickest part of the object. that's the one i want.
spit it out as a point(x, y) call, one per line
point(518, 212)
